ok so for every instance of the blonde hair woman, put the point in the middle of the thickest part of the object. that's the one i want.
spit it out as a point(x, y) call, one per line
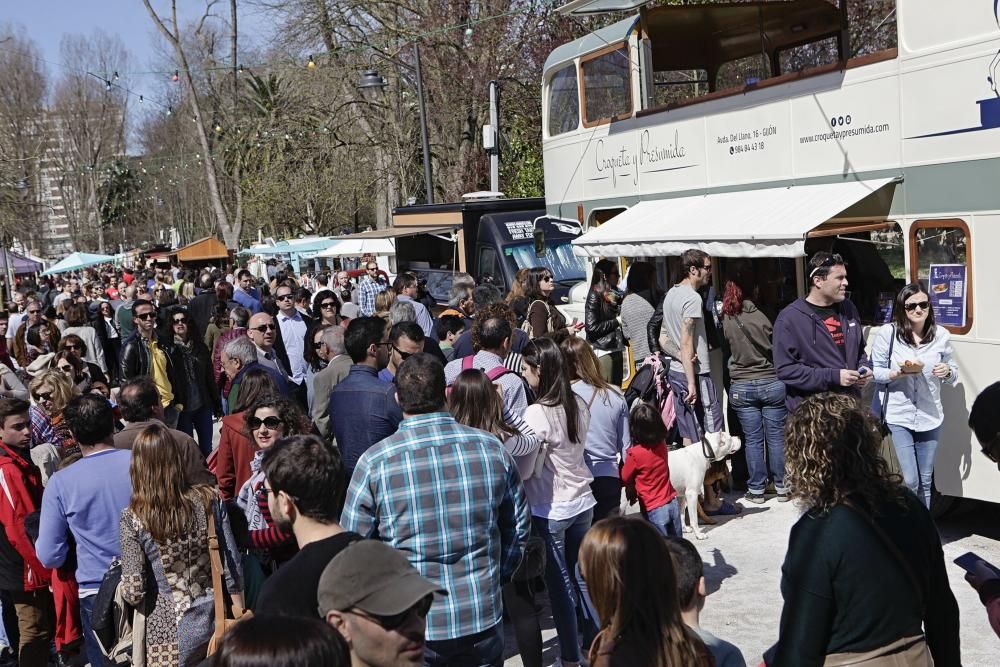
point(165, 559)
point(632, 584)
point(383, 302)
point(51, 390)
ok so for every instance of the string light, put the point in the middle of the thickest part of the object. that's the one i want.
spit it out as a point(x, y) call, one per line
point(311, 64)
point(239, 70)
point(115, 77)
point(176, 76)
point(107, 85)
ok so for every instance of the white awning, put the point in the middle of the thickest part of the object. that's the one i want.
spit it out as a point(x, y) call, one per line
point(750, 223)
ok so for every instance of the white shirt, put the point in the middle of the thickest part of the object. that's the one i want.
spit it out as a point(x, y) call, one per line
point(293, 334)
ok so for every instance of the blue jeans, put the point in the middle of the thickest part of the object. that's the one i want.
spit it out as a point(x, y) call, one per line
point(565, 588)
point(198, 421)
point(916, 450)
point(483, 649)
point(93, 648)
point(667, 519)
point(760, 406)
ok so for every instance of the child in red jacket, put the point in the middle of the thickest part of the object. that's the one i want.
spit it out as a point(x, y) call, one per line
point(647, 469)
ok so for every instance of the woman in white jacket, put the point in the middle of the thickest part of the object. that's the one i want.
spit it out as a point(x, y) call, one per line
point(562, 504)
point(910, 360)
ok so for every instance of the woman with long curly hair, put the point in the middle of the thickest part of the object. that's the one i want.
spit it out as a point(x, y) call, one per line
point(847, 586)
point(631, 578)
point(165, 560)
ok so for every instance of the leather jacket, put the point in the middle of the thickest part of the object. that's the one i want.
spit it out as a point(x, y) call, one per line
point(198, 373)
point(136, 361)
point(601, 321)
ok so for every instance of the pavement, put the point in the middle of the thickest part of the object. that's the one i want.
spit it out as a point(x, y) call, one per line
point(743, 557)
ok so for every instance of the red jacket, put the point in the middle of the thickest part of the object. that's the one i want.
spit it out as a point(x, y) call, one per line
point(20, 495)
point(646, 466)
point(236, 450)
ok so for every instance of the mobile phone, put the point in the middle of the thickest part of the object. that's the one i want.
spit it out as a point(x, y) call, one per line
point(967, 562)
point(862, 371)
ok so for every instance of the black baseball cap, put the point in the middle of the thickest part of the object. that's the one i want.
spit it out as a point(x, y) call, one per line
point(372, 576)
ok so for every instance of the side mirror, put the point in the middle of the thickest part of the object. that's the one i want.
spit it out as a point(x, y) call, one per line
point(539, 236)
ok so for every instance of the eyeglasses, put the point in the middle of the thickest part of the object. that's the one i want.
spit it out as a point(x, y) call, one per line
point(283, 297)
point(421, 609)
point(180, 320)
point(372, 268)
point(402, 355)
point(546, 279)
point(264, 327)
point(317, 344)
point(832, 260)
point(65, 369)
point(43, 396)
point(34, 312)
point(922, 305)
point(272, 423)
point(146, 316)
point(328, 305)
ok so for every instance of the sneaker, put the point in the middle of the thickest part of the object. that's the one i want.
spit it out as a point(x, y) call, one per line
point(757, 498)
point(783, 497)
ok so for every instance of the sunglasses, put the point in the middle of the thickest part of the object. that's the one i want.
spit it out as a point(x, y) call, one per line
point(421, 609)
point(146, 316)
point(264, 327)
point(34, 312)
point(546, 279)
point(273, 423)
point(70, 346)
point(283, 297)
point(318, 344)
point(832, 260)
point(922, 305)
point(180, 320)
point(328, 305)
point(403, 355)
point(65, 369)
point(43, 396)
point(372, 269)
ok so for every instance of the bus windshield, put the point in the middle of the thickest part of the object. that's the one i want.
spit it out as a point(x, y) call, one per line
point(566, 268)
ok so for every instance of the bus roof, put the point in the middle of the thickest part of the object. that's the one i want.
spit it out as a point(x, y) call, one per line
point(598, 39)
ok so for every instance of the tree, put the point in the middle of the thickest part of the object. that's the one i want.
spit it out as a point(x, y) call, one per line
point(172, 33)
point(119, 195)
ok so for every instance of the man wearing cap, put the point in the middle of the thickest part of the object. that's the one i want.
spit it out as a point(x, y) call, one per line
point(378, 602)
point(451, 498)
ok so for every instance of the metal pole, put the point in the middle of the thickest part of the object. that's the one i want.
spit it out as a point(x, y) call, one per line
point(428, 177)
point(495, 129)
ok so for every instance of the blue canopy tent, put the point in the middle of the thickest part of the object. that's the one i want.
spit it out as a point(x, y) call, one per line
point(19, 263)
point(76, 261)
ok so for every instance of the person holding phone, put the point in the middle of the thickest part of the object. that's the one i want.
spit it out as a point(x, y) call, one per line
point(911, 359)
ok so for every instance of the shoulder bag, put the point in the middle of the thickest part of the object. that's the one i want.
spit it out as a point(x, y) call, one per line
point(887, 450)
point(526, 325)
point(757, 346)
point(222, 622)
point(904, 652)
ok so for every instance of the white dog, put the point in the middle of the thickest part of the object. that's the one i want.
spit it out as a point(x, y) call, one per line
point(688, 466)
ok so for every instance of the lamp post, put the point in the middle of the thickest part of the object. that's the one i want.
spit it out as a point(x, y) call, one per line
point(371, 80)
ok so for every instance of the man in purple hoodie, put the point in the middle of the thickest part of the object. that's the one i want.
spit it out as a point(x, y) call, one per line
point(818, 341)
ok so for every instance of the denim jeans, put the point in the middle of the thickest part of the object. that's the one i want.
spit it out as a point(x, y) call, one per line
point(198, 421)
point(916, 450)
point(565, 588)
point(483, 649)
point(760, 406)
point(667, 519)
point(6, 612)
point(93, 648)
point(608, 492)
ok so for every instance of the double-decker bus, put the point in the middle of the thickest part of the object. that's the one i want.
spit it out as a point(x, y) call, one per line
point(762, 132)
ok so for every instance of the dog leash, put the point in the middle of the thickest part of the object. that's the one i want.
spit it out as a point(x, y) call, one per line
point(706, 446)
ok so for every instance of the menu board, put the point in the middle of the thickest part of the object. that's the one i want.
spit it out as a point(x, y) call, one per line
point(947, 286)
point(883, 314)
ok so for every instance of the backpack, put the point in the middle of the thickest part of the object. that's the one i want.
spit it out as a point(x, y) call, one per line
point(493, 374)
point(526, 325)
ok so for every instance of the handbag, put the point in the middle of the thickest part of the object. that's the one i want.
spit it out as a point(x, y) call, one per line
point(120, 629)
point(887, 450)
point(222, 623)
point(904, 652)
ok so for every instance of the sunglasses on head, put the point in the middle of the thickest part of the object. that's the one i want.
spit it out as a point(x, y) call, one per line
point(392, 622)
point(146, 316)
point(272, 423)
point(264, 327)
point(922, 305)
point(832, 260)
point(43, 396)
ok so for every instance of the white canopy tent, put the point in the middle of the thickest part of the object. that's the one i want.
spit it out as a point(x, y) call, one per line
point(770, 222)
point(354, 247)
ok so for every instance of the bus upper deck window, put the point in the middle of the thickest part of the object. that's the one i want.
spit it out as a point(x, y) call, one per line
point(607, 89)
point(564, 101)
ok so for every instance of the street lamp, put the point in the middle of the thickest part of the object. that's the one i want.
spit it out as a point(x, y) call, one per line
point(372, 81)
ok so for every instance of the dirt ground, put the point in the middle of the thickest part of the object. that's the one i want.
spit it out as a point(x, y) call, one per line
point(743, 557)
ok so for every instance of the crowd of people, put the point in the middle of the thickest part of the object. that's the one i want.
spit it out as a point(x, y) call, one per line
point(392, 482)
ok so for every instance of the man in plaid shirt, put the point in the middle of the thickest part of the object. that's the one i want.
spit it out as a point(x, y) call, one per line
point(451, 499)
point(368, 287)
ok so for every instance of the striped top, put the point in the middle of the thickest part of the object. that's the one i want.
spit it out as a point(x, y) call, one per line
point(450, 498)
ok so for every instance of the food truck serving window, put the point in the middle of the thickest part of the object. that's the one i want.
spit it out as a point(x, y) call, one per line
point(564, 101)
point(942, 262)
point(607, 88)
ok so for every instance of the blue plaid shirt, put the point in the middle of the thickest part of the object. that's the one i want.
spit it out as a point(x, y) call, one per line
point(450, 498)
point(367, 291)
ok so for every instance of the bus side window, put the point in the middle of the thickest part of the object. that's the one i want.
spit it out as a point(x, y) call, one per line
point(940, 259)
point(564, 101)
point(607, 87)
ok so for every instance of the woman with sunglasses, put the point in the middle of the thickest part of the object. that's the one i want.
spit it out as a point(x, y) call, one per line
point(196, 391)
point(231, 461)
point(76, 318)
point(165, 559)
point(539, 312)
point(326, 308)
point(911, 359)
point(268, 420)
point(40, 341)
point(316, 356)
point(50, 392)
point(75, 369)
point(74, 344)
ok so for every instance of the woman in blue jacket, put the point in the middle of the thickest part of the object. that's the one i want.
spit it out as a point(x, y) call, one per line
point(911, 359)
